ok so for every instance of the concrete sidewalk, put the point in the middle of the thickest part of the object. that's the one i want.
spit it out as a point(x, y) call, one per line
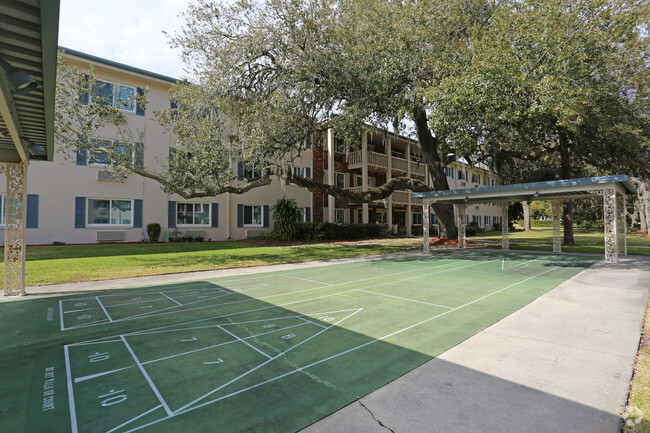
point(563, 363)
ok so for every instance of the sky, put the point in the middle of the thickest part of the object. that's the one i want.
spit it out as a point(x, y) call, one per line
point(125, 31)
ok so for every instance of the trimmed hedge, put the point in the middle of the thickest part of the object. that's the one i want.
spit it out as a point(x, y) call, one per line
point(337, 231)
point(586, 224)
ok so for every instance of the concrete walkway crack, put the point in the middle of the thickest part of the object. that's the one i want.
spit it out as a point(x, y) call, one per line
point(374, 417)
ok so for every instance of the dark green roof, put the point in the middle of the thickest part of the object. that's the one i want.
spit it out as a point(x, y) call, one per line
point(549, 190)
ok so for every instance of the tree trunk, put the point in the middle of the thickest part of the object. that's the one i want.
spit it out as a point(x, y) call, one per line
point(566, 173)
point(526, 206)
point(429, 144)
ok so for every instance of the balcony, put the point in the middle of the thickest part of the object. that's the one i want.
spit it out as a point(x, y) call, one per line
point(380, 160)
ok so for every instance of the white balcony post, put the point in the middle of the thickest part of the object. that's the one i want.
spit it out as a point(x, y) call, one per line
point(364, 172)
point(330, 173)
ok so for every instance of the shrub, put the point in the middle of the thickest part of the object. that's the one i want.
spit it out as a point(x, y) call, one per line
point(286, 219)
point(337, 231)
point(153, 231)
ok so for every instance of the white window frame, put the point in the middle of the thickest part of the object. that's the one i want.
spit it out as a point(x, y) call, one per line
point(338, 211)
point(128, 146)
point(110, 207)
point(116, 96)
point(193, 224)
point(303, 212)
point(416, 216)
point(253, 224)
point(336, 182)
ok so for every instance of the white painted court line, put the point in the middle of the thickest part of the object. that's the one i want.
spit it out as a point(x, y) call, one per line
point(309, 281)
point(181, 409)
point(406, 299)
point(245, 342)
point(171, 299)
point(104, 309)
point(73, 413)
point(146, 375)
point(313, 323)
point(134, 419)
point(355, 348)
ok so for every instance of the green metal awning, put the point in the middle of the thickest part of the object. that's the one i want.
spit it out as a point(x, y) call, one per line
point(28, 43)
point(550, 190)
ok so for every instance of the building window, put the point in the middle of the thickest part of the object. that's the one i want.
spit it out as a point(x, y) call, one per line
point(299, 171)
point(252, 215)
point(95, 157)
point(486, 181)
point(339, 216)
point(417, 218)
point(110, 212)
point(486, 221)
point(397, 154)
point(303, 213)
point(434, 218)
point(115, 95)
point(197, 214)
point(476, 219)
point(460, 174)
point(449, 172)
point(476, 178)
point(339, 145)
point(339, 180)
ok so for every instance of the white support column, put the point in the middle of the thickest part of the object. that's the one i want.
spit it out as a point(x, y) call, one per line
point(556, 214)
point(505, 242)
point(461, 225)
point(611, 225)
point(389, 176)
point(409, 212)
point(425, 225)
point(15, 214)
point(364, 172)
point(330, 173)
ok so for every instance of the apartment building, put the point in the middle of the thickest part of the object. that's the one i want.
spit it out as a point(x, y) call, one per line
point(72, 200)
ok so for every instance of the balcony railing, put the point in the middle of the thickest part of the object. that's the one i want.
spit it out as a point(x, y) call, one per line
point(400, 164)
point(381, 160)
point(417, 169)
point(399, 197)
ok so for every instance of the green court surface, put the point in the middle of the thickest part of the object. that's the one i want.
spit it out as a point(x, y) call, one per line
point(269, 352)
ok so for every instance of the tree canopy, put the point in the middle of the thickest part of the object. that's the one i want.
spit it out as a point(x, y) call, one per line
point(561, 84)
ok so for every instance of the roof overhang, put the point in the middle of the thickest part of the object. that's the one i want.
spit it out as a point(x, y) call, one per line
point(28, 42)
point(550, 190)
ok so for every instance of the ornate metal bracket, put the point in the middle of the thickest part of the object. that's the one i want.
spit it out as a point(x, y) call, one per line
point(556, 212)
point(462, 242)
point(16, 203)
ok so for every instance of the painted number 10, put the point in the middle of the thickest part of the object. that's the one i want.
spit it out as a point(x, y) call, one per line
point(113, 397)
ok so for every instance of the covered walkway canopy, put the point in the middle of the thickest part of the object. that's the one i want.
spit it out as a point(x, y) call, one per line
point(613, 189)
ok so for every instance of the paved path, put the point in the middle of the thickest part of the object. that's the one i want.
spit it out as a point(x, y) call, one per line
point(560, 364)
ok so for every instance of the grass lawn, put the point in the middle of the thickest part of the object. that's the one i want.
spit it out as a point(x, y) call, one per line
point(541, 239)
point(640, 390)
point(75, 263)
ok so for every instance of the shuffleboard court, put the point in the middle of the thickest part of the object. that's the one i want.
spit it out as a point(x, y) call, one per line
point(270, 352)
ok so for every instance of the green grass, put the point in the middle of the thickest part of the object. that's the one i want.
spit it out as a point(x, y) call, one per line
point(541, 239)
point(640, 388)
point(78, 263)
point(270, 352)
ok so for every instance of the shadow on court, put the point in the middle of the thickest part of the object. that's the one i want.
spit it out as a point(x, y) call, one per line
point(203, 356)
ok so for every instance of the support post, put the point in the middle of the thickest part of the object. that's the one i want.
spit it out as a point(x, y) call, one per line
point(461, 225)
point(16, 208)
point(505, 242)
point(556, 213)
point(624, 217)
point(425, 225)
point(526, 207)
point(611, 225)
point(330, 173)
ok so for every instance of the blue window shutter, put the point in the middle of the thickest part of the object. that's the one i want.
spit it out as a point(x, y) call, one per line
point(308, 214)
point(171, 214)
point(215, 214)
point(79, 212)
point(139, 106)
point(308, 172)
point(240, 215)
point(82, 158)
point(84, 97)
point(32, 211)
point(137, 213)
point(139, 155)
point(266, 215)
point(240, 170)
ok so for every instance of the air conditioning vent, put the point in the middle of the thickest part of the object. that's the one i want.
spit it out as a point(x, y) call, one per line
point(110, 176)
point(112, 236)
